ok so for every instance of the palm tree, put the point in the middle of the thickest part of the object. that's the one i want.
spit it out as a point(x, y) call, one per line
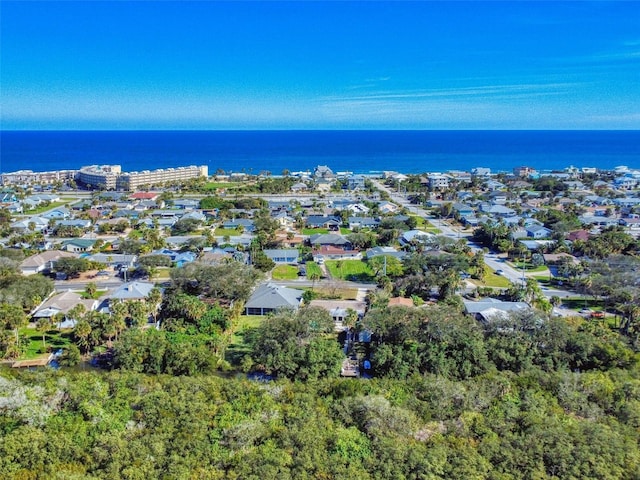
point(82, 331)
point(153, 301)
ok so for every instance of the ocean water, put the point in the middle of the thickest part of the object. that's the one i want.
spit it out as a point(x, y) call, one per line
point(300, 150)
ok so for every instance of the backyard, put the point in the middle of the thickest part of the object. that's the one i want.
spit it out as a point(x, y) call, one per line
point(54, 339)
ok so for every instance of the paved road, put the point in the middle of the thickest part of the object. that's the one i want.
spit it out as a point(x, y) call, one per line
point(493, 260)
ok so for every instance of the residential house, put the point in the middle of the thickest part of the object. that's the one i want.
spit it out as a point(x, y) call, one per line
point(244, 224)
point(166, 213)
point(537, 231)
point(299, 187)
point(57, 213)
point(363, 222)
point(491, 309)
point(462, 210)
point(341, 309)
point(186, 203)
point(400, 302)
point(78, 245)
point(411, 237)
point(333, 239)
point(323, 172)
point(194, 215)
point(35, 224)
point(144, 196)
point(283, 255)
point(499, 211)
point(285, 221)
point(132, 291)
point(329, 252)
point(112, 259)
point(387, 207)
point(390, 251)
point(62, 303)
point(582, 235)
point(269, 297)
point(438, 181)
point(318, 221)
point(632, 224)
point(356, 182)
point(45, 260)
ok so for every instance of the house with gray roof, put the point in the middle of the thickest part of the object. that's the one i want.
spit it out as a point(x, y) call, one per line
point(111, 259)
point(77, 223)
point(132, 291)
point(246, 224)
point(490, 309)
point(43, 261)
point(332, 239)
point(62, 303)
point(363, 222)
point(390, 251)
point(57, 213)
point(283, 255)
point(321, 221)
point(38, 224)
point(269, 297)
point(411, 236)
point(537, 231)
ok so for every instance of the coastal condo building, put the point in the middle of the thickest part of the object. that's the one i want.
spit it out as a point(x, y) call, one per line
point(29, 177)
point(111, 177)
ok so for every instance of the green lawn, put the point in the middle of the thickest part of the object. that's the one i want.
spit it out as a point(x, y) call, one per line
point(313, 269)
point(162, 273)
point(95, 296)
point(335, 293)
point(211, 186)
point(492, 280)
point(577, 303)
point(350, 270)
point(237, 348)
point(345, 231)
point(528, 267)
point(314, 231)
point(285, 272)
point(222, 232)
point(54, 339)
point(43, 209)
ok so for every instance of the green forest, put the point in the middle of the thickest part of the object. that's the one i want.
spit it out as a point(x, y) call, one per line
point(520, 399)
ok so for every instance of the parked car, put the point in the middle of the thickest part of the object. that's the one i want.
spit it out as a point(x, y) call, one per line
point(599, 314)
point(499, 272)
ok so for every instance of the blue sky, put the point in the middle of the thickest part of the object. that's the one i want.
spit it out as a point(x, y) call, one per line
point(320, 65)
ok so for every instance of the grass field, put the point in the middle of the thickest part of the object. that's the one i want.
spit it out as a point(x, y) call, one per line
point(335, 292)
point(222, 232)
point(314, 231)
point(95, 296)
point(46, 208)
point(355, 270)
point(528, 267)
point(313, 269)
point(492, 280)
point(237, 348)
point(53, 338)
point(211, 186)
point(285, 272)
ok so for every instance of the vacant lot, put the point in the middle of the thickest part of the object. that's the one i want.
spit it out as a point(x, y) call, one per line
point(355, 270)
point(285, 272)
